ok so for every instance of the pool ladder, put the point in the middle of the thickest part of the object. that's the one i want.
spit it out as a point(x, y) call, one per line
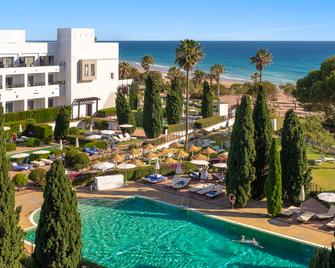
point(186, 206)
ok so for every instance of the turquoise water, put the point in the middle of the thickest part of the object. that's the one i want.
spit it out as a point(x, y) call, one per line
point(291, 60)
point(142, 233)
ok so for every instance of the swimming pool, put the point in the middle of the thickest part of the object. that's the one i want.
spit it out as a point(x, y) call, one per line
point(139, 232)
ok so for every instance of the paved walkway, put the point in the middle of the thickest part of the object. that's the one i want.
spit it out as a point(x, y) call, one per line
point(252, 216)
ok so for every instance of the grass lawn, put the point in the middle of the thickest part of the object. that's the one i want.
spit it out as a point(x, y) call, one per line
point(324, 174)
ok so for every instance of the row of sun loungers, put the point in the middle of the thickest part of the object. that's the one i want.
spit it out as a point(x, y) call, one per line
point(122, 138)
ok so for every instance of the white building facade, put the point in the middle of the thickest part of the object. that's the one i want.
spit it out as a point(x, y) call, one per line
point(73, 70)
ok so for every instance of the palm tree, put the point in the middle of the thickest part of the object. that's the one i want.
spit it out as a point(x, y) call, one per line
point(124, 69)
point(174, 73)
point(254, 77)
point(198, 77)
point(146, 61)
point(261, 59)
point(188, 54)
point(210, 77)
point(216, 71)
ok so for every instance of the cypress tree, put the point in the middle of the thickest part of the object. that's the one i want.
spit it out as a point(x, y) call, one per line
point(207, 101)
point(123, 112)
point(152, 111)
point(174, 102)
point(273, 183)
point(10, 232)
point(58, 235)
point(323, 258)
point(293, 159)
point(241, 170)
point(133, 98)
point(62, 124)
point(263, 136)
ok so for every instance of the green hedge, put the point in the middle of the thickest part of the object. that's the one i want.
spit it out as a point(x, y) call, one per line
point(98, 123)
point(106, 112)
point(33, 142)
point(40, 115)
point(41, 131)
point(37, 176)
point(20, 180)
point(207, 122)
point(10, 146)
point(15, 125)
point(76, 160)
point(76, 131)
point(98, 144)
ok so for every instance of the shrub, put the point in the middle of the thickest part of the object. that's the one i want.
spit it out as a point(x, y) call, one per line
point(20, 180)
point(207, 122)
point(37, 176)
point(40, 115)
point(41, 131)
point(76, 160)
point(100, 144)
point(56, 152)
point(10, 146)
point(138, 118)
point(15, 125)
point(75, 131)
point(82, 140)
point(33, 142)
point(106, 112)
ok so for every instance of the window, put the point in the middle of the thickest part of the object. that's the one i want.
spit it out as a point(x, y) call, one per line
point(89, 109)
point(50, 102)
point(50, 79)
point(27, 61)
point(9, 107)
point(31, 80)
point(92, 69)
point(112, 75)
point(7, 61)
point(31, 105)
point(9, 81)
point(86, 70)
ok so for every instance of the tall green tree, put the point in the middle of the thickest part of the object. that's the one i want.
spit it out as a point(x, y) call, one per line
point(293, 159)
point(152, 109)
point(262, 58)
point(146, 62)
point(188, 54)
point(323, 258)
point(58, 235)
point(133, 97)
point(10, 232)
point(198, 77)
point(262, 138)
point(207, 101)
point(217, 70)
point(124, 70)
point(273, 183)
point(62, 123)
point(174, 102)
point(242, 154)
point(175, 73)
point(124, 113)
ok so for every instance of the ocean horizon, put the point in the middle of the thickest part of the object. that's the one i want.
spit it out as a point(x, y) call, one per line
point(292, 60)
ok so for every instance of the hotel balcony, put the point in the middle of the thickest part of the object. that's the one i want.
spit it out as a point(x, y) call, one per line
point(31, 69)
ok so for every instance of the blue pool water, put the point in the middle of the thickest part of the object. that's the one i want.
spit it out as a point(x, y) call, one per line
point(144, 233)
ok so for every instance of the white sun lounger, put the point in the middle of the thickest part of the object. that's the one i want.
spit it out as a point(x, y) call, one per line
point(37, 163)
point(216, 191)
point(306, 216)
point(129, 137)
point(331, 224)
point(289, 211)
point(327, 215)
point(206, 190)
point(46, 161)
point(182, 183)
point(199, 187)
point(174, 180)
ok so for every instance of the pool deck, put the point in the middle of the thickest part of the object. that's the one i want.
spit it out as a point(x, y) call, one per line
point(254, 216)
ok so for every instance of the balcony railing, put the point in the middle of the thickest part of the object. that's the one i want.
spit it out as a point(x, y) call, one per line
point(14, 86)
point(36, 84)
point(31, 65)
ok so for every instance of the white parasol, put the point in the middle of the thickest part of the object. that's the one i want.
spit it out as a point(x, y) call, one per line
point(61, 144)
point(6, 128)
point(77, 142)
point(157, 166)
point(327, 197)
point(93, 137)
point(21, 155)
point(179, 169)
point(41, 152)
point(125, 126)
point(107, 132)
point(103, 166)
point(200, 162)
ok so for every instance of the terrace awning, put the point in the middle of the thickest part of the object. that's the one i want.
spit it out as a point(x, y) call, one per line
point(83, 101)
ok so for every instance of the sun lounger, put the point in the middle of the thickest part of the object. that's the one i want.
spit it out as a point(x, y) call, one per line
point(216, 191)
point(129, 137)
point(37, 163)
point(90, 151)
point(46, 161)
point(290, 211)
point(306, 216)
point(174, 180)
point(182, 183)
point(199, 187)
point(331, 224)
point(123, 138)
point(17, 167)
point(155, 178)
point(206, 190)
point(327, 215)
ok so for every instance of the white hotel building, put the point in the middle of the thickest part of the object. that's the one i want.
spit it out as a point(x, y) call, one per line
point(73, 70)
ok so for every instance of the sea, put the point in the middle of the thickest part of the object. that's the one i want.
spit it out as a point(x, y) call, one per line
point(292, 60)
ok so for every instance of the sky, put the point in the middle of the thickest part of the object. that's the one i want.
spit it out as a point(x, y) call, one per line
point(175, 19)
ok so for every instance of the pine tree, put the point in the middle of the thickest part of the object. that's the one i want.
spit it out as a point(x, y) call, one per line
point(123, 112)
point(62, 124)
point(323, 258)
point(241, 170)
point(273, 183)
point(152, 111)
point(133, 98)
point(10, 232)
point(58, 235)
point(174, 102)
point(263, 137)
point(293, 159)
point(207, 101)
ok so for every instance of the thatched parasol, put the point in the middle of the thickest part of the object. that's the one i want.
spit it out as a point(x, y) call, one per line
point(200, 157)
point(170, 161)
